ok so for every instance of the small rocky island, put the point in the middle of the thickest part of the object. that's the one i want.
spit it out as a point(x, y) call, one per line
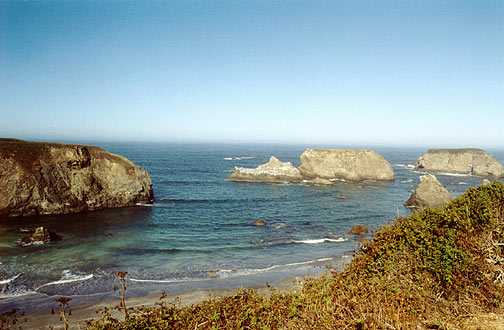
point(320, 165)
point(429, 193)
point(460, 161)
point(38, 178)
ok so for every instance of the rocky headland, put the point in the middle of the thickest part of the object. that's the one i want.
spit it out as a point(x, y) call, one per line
point(319, 166)
point(429, 193)
point(460, 161)
point(38, 178)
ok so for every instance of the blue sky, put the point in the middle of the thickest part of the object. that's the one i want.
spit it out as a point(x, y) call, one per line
point(427, 73)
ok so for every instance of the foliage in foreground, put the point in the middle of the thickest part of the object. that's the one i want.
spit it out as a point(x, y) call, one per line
point(428, 271)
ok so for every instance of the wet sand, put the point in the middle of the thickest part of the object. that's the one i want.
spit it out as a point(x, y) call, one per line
point(83, 312)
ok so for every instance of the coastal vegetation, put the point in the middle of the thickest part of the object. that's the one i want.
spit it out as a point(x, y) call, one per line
point(435, 269)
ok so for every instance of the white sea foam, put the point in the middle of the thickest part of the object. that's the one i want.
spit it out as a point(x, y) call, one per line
point(68, 277)
point(9, 279)
point(407, 181)
point(321, 240)
point(144, 204)
point(16, 293)
point(161, 281)
point(238, 158)
point(454, 174)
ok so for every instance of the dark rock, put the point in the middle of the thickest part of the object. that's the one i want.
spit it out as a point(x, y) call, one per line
point(358, 230)
point(41, 235)
point(259, 223)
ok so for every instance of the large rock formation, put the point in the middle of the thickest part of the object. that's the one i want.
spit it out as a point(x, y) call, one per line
point(347, 164)
point(460, 161)
point(52, 178)
point(274, 171)
point(429, 193)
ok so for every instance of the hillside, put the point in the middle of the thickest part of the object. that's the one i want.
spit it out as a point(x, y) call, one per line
point(436, 269)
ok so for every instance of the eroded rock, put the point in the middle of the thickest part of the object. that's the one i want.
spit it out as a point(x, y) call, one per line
point(460, 161)
point(346, 164)
point(429, 193)
point(358, 230)
point(51, 178)
point(274, 171)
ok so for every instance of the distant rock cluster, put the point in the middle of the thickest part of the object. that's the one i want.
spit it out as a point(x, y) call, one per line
point(319, 166)
point(324, 166)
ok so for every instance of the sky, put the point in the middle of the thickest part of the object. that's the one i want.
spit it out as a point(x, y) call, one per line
point(393, 73)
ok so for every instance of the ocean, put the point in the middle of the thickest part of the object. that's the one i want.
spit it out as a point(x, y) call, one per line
point(198, 233)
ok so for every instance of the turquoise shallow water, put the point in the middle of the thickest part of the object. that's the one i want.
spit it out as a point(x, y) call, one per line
point(200, 225)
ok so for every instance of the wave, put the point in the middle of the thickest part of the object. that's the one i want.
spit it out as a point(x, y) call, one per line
point(410, 166)
point(228, 273)
point(454, 174)
point(18, 292)
point(9, 279)
point(68, 277)
point(238, 158)
point(321, 240)
point(407, 181)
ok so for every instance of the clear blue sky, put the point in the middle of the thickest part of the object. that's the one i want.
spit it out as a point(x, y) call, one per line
point(313, 72)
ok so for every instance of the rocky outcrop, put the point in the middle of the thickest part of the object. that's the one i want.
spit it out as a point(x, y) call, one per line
point(347, 164)
point(460, 161)
point(51, 178)
point(40, 235)
point(321, 182)
point(274, 171)
point(358, 230)
point(429, 193)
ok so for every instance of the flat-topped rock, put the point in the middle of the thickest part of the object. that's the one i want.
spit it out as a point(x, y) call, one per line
point(274, 171)
point(39, 178)
point(460, 161)
point(347, 164)
point(429, 193)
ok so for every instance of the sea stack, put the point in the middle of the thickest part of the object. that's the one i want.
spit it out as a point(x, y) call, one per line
point(460, 161)
point(39, 178)
point(346, 164)
point(274, 171)
point(429, 193)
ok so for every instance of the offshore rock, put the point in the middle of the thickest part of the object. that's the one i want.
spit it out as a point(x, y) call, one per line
point(274, 171)
point(41, 235)
point(460, 161)
point(358, 230)
point(321, 182)
point(51, 178)
point(347, 164)
point(259, 223)
point(429, 193)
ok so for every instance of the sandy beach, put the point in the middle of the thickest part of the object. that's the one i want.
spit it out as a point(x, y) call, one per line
point(82, 312)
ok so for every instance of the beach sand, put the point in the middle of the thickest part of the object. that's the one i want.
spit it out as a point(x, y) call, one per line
point(83, 312)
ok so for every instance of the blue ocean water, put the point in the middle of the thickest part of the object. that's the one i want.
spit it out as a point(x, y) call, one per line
point(199, 232)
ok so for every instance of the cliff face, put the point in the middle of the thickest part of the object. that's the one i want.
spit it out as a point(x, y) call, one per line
point(274, 171)
point(462, 161)
point(52, 178)
point(347, 164)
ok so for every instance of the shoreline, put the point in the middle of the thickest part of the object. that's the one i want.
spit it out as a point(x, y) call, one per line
point(43, 319)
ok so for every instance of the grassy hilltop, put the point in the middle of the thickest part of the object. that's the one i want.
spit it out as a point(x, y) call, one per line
point(436, 269)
